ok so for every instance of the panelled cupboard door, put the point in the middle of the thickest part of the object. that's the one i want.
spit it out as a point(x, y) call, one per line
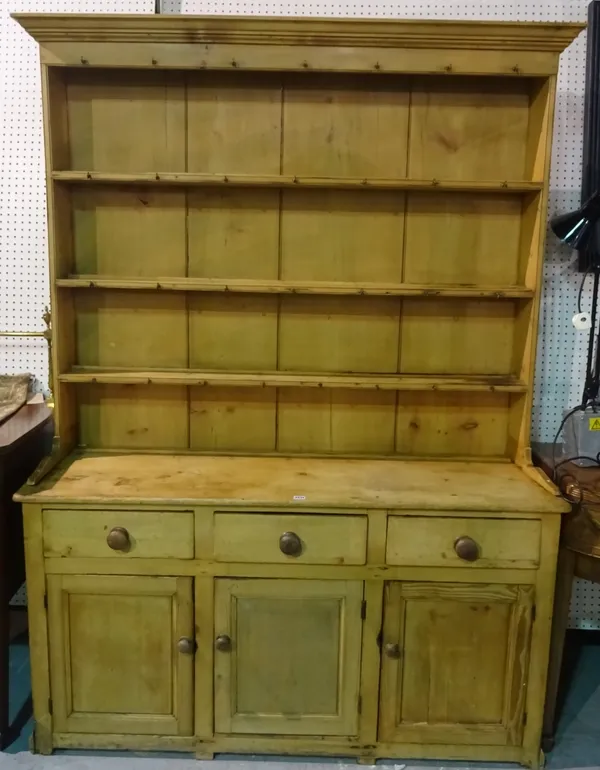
point(454, 663)
point(287, 658)
point(115, 664)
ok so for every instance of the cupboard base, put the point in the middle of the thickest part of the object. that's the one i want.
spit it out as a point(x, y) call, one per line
point(168, 643)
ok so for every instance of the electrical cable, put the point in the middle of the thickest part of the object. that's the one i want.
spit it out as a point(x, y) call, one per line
point(570, 413)
point(589, 458)
point(591, 387)
point(595, 462)
point(580, 294)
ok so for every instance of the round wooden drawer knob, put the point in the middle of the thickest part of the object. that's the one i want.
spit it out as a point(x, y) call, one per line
point(118, 539)
point(186, 646)
point(290, 544)
point(466, 548)
point(223, 643)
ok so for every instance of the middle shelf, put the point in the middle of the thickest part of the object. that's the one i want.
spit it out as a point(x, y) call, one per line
point(394, 339)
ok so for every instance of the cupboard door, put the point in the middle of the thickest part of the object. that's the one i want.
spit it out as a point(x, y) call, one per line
point(115, 663)
point(455, 663)
point(287, 659)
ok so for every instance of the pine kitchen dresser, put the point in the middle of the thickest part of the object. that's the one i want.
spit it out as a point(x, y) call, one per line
point(295, 278)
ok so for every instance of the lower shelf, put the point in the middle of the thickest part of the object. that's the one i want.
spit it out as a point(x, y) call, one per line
point(467, 383)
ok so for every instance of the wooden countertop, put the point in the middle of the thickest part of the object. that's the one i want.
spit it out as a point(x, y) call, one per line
point(301, 482)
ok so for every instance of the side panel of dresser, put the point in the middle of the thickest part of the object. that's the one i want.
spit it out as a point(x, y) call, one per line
point(38, 628)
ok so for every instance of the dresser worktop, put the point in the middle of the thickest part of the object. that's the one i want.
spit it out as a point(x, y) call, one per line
point(301, 482)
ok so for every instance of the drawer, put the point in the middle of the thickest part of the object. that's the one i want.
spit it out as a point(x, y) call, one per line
point(141, 534)
point(429, 541)
point(290, 538)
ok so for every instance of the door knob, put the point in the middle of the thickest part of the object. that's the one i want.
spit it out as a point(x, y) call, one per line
point(186, 646)
point(223, 643)
point(392, 650)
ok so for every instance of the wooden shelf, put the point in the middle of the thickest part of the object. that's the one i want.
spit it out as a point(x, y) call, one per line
point(290, 181)
point(81, 375)
point(237, 285)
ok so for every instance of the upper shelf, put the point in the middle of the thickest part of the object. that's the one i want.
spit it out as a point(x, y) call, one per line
point(291, 181)
point(251, 286)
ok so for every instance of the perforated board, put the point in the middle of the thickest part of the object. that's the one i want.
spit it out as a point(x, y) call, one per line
point(23, 250)
point(23, 261)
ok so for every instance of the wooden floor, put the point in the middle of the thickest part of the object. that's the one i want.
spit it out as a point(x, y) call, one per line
point(302, 482)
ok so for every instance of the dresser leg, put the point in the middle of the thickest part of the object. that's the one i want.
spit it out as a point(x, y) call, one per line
point(535, 761)
point(366, 759)
point(40, 741)
point(547, 743)
point(204, 752)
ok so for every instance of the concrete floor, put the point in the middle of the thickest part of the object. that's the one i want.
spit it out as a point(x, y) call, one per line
point(577, 744)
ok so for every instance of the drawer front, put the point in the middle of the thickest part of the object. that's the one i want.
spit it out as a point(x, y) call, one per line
point(430, 541)
point(287, 538)
point(132, 534)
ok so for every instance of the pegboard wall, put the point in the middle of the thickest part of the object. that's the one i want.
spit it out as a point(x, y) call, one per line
point(23, 259)
point(23, 249)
